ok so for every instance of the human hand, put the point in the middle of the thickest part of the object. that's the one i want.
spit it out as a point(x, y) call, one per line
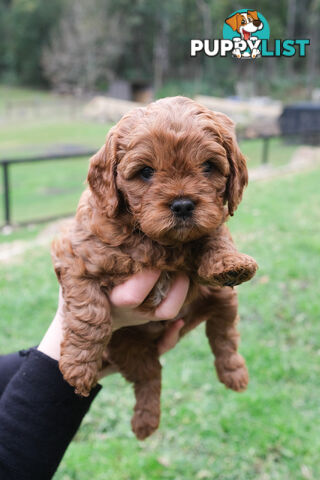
point(125, 299)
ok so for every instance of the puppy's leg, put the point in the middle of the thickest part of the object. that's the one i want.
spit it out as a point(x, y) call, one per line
point(87, 330)
point(138, 362)
point(146, 416)
point(221, 330)
point(222, 264)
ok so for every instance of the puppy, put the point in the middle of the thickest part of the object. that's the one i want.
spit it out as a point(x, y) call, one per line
point(245, 24)
point(160, 190)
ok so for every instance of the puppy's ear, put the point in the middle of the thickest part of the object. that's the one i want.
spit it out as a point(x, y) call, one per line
point(253, 14)
point(238, 177)
point(233, 21)
point(102, 176)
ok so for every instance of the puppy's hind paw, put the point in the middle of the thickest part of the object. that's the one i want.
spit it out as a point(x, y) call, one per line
point(232, 371)
point(144, 423)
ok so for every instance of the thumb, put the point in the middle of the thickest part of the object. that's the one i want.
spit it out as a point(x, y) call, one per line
point(170, 337)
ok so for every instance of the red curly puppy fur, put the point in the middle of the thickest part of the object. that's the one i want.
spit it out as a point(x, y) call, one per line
point(160, 190)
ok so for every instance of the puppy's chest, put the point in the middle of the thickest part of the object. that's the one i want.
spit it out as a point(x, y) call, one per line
point(167, 259)
point(148, 254)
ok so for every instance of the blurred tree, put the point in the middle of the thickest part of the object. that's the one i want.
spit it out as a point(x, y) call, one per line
point(4, 10)
point(84, 46)
point(313, 58)
point(161, 46)
point(27, 31)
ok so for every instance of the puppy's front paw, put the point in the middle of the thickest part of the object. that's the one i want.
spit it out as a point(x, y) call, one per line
point(232, 371)
point(229, 271)
point(144, 423)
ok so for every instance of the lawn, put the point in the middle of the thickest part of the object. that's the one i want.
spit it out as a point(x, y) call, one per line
point(18, 95)
point(207, 432)
point(280, 151)
point(26, 139)
point(47, 188)
point(53, 188)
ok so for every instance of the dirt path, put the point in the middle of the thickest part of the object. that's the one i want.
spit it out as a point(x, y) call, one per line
point(13, 250)
point(304, 158)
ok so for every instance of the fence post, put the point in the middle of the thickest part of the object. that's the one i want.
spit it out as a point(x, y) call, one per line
point(6, 193)
point(265, 150)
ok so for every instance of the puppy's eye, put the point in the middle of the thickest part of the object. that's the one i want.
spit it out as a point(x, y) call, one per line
point(146, 173)
point(243, 21)
point(208, 167)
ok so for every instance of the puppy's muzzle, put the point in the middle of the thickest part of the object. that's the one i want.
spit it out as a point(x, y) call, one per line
point(182, 208)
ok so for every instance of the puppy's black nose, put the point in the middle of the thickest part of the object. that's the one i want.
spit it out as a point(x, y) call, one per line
point(256, 23)
point(182, 207)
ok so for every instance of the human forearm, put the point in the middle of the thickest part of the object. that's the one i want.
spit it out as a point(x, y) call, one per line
point(39, 415)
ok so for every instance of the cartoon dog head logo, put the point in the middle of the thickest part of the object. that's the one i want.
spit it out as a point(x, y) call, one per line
point(245, 23)
point(245, 27)
point(245, 35)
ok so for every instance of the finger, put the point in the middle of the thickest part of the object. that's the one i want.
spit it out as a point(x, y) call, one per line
point(171, 305)
point(133, 291)
point(192, 324)
point(126, 317)
point(170, 337)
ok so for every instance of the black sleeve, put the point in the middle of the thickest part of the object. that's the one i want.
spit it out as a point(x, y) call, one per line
point(9, 365)
point(39, 415)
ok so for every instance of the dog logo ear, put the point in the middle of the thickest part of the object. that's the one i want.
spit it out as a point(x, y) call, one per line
point(102, 176)
point(238, 177)
point(233, 21)
point(253, 14)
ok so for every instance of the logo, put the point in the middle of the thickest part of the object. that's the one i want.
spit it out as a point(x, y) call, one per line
point(246, 35)
point(246, 28)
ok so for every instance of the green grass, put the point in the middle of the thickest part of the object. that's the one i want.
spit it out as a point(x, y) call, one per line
point(25, 233)
point(280, 152)
point(53, 188)
point(23, 139)
point(18, 95)
point(26, 139)
point(207, 432)
point(41, 190)
point(47, 188)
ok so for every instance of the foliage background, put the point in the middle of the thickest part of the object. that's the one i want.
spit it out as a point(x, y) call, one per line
point(75, 44)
